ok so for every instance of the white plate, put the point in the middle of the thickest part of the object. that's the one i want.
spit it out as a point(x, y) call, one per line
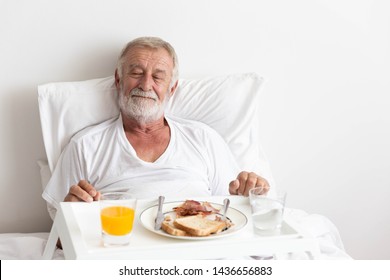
point(148, 216)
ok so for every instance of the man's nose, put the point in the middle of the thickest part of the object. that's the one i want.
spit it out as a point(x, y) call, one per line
point(146, 83)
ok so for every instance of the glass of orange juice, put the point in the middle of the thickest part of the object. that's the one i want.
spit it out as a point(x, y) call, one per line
point(117, 211)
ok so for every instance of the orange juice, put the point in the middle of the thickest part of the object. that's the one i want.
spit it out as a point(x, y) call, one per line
point(117, 220)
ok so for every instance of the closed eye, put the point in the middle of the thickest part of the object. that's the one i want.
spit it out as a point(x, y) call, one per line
point(136, 74)
point(158, 78)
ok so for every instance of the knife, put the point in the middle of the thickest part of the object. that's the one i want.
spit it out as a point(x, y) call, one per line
point(160, 216)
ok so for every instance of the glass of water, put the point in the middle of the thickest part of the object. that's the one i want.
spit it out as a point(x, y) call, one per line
point(267, 211)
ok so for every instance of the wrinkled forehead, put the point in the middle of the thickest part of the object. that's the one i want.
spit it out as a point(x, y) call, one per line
point(149, 58)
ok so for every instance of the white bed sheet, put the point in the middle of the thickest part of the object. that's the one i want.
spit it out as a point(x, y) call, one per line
point(24, 246)
point(30, 246)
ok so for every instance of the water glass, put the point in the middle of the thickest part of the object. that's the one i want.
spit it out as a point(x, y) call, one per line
point(267, 211)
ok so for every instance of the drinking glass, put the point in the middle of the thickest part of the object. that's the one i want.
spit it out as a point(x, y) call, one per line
point(117, 211)
point(267, 210)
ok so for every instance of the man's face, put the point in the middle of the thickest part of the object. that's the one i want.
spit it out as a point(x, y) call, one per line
point(144, 86)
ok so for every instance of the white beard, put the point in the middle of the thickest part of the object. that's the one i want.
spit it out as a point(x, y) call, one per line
point(143, 110)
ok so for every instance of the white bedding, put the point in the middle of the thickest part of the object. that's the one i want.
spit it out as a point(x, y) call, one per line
point(30, 246)
point(214, 101)
point(24, 246)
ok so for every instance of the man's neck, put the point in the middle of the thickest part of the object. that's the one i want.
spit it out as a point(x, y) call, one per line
point(133, 126)
point(149, 140)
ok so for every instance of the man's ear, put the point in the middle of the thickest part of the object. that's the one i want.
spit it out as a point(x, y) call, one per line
point(173, 88)
point(117, 80)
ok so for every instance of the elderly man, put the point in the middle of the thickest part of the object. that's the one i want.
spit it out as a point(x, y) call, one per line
point(143, 151)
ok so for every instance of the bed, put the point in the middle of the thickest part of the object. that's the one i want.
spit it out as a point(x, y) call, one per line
point(229, 104)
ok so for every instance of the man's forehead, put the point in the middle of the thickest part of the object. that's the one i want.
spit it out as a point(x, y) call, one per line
point(142, 57)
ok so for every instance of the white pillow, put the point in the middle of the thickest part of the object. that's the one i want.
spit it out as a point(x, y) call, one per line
point(67, 107)
point(229, 104)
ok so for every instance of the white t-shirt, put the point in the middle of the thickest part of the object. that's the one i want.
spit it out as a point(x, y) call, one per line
point(197, 162)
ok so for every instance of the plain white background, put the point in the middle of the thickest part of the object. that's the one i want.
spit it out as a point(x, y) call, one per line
point(325, 110)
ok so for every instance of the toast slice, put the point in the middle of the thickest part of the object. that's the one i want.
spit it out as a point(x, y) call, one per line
point(199, 226)
point(169, 228)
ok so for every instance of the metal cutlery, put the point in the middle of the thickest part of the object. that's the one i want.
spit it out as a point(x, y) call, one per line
point(226, 203)
point(160, 216)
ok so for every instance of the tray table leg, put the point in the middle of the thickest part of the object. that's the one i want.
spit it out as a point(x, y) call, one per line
point(51, 242)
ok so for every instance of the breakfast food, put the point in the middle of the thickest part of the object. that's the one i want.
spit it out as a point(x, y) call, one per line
point(171, 229)
point(193, 218)
point(199, 226)
point(193, 207)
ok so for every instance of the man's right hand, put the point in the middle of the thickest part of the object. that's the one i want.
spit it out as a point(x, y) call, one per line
point(83, 191)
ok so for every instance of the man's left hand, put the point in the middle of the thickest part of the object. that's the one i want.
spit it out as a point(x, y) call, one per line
point(246, 181)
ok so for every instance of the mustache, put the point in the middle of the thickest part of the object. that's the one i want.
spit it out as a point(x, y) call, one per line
point(148, 94)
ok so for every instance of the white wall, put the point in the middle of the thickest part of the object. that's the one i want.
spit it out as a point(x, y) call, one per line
point(325, 116)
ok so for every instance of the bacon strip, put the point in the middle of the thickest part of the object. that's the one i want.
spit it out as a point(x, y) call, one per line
point(193, 207)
